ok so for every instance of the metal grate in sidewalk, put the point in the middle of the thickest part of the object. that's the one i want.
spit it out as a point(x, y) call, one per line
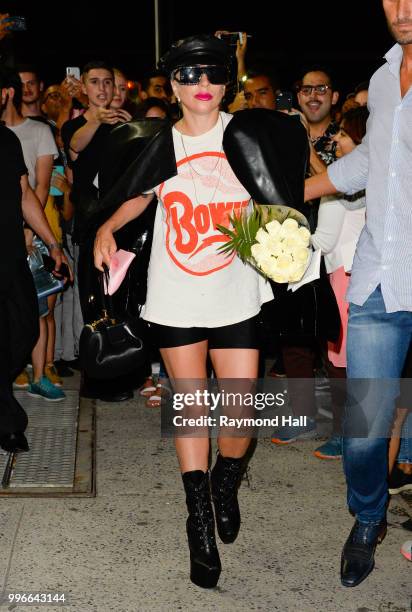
point(61, 456)
point(52, 436)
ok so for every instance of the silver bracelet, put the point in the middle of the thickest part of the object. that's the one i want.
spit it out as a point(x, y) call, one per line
point(54, 245)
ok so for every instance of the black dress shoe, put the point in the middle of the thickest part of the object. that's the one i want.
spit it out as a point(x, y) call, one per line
point(14, 442)
point(358, 555)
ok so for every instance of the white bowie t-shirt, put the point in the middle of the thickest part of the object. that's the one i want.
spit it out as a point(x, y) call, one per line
point(190, 283)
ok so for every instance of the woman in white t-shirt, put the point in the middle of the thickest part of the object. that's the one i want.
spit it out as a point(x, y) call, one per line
point(199, 301)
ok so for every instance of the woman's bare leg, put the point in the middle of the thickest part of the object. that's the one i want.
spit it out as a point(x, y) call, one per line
point(231, 364)
point(51, 329)
point(38, 356)
point(182, 364)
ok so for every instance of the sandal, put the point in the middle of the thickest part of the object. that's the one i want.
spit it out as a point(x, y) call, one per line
point(161, 392)
point(148, 387)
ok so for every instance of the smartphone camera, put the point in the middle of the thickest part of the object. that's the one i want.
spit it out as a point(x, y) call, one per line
point(73, 71)
point(231, 38)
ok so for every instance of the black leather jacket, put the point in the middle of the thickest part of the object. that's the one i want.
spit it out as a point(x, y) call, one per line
point(268, 152)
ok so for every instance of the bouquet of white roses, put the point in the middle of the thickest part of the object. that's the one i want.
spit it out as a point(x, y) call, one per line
point(274, 239)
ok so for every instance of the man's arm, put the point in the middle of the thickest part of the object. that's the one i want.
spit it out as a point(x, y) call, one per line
point(34, 216)
point(82, 137)
point(318, 185)
point(44, 168)
point(346, 175)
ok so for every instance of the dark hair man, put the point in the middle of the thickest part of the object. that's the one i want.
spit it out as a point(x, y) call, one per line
point(32, 91)
point(260, 89)
point(380, 291)
point(155, 85)
point(317, 97)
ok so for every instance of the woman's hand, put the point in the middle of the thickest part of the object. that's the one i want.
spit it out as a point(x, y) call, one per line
point(239, 102)
point(59, 257)
point(123, 115)
point(60, 182)
point(104, 248)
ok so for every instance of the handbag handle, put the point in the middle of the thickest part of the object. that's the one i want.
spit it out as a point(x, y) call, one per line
point(107, 304)
point(139, 243)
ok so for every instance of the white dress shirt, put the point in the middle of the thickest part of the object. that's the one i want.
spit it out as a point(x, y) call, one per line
point(382, 164)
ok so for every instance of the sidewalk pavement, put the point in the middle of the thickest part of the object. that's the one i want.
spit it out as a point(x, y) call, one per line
point(125, 550)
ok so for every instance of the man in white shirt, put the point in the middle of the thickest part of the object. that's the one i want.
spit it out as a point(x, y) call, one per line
point(380, 292)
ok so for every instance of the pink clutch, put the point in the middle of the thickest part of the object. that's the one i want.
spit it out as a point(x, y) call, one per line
point(119, 265)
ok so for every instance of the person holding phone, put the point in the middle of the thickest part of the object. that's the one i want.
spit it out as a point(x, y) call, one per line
point(85, 138)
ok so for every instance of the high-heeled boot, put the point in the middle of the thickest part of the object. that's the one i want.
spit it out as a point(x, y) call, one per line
point(205, 564)
point(225, 480)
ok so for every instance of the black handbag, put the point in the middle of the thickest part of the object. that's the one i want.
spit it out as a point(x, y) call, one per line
point(110, 347)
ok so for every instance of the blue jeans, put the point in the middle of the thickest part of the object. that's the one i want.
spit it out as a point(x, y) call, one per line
point(376, 349)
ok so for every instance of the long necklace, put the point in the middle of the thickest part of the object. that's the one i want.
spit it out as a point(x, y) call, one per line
point(210, 172)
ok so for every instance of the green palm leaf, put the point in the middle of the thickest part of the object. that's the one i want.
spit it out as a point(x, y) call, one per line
point(243, 234)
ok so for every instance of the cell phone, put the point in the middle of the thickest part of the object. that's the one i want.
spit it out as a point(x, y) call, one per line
point(17, 23)
point(53, 190)
point(50, 264)
point(284, 101)
point(73, 71)
point(232, 38)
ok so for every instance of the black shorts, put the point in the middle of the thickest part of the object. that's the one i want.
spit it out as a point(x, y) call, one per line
point(239, 335)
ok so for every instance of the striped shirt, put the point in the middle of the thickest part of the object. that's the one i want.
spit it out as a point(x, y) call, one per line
point(382, 164)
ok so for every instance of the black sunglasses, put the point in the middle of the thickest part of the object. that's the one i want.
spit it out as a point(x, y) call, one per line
point(191, 75)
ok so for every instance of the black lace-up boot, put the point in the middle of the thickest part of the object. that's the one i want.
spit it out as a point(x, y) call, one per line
point(204, 557)
point(225, 479)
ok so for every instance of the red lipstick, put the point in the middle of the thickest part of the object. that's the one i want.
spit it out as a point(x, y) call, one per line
point(203, 96)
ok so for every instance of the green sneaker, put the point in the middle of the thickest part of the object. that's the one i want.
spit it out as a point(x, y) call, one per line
point(45, 389)
point(332, 449)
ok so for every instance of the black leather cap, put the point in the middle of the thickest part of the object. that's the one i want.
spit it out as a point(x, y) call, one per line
point(200, 49)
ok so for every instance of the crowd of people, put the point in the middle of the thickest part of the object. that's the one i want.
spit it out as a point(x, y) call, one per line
point(69, 179)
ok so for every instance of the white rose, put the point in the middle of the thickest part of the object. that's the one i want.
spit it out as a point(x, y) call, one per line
point(301, 255)
point(258, 251)
point(276, 247)
point(290, 224)
point(266, 265)
point(262, 237)
point(297, 273)
point(273, 228)
point(305, 235)
point(279, 278)
point(284, 262)
point(293, 240)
